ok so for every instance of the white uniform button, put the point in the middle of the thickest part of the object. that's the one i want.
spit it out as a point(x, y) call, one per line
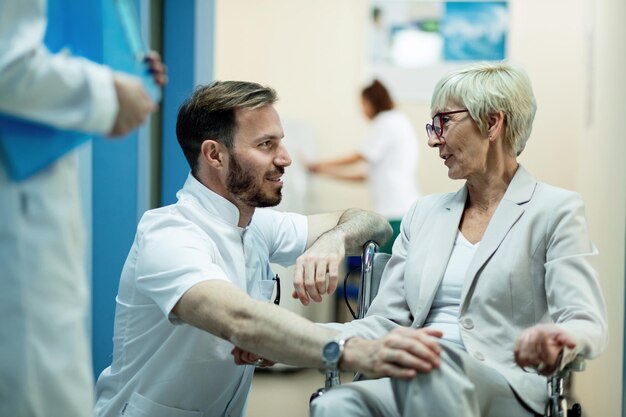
point(479, 356)
point(467, 323)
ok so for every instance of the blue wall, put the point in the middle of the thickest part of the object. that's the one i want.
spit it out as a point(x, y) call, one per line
point(188, 47)
point(114, 201)
point(178, 42)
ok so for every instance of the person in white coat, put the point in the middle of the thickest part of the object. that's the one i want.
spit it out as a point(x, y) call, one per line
point(390, 152)
point(503, 268)
point(45, 355)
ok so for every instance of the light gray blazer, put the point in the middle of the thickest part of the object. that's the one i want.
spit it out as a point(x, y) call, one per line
point(533, 265)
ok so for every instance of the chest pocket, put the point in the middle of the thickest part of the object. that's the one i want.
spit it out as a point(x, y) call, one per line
point(260, 277)
point(263, 288)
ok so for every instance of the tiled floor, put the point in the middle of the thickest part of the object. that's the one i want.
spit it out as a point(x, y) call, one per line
point(284, 394)
point(287, 393)
point(278, 394)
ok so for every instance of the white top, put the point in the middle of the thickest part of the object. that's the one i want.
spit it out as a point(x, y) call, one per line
point(56, 89)
point(444, 313)
point(162, 366)
point(391, 150)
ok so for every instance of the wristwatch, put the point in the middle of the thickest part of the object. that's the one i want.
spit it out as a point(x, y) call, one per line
point(331, 354)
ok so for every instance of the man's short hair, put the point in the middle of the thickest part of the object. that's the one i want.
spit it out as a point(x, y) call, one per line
point(209, 113)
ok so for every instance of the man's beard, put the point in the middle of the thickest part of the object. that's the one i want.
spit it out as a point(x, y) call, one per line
point(241, 185)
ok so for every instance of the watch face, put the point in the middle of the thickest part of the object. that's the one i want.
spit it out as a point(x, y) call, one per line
point(331, 351)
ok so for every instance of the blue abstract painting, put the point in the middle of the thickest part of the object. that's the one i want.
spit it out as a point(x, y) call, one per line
point(474, 31)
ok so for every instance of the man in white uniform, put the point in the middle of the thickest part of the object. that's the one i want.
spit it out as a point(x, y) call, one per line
point(45, 355)
point(194, 290)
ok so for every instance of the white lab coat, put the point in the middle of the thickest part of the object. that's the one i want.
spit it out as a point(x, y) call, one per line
point(45, 355)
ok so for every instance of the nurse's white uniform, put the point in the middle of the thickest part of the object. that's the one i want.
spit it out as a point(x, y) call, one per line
point(390, 148)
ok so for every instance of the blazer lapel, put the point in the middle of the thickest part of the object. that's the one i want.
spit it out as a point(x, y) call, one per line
point(509, 211)
point(446, 225)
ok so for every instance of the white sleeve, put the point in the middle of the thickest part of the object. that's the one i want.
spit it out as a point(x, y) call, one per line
point(285, 234)
point(62, 91)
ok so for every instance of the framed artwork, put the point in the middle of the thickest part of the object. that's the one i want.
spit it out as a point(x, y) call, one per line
point(412, 43)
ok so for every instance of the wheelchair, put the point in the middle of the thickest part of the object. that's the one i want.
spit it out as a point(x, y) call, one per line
point(372, 266)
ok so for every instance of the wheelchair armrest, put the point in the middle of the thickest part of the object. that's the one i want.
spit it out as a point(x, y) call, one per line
point(577, 365)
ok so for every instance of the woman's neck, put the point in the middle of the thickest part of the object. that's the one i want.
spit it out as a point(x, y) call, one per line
point(486, 191)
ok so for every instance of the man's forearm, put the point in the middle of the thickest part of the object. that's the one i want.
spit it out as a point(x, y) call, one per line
point(331, 237)
point(361, 226)
point(282, 336)
point(265, 329)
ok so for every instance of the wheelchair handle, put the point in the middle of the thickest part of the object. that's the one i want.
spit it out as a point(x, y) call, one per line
point(367, 261)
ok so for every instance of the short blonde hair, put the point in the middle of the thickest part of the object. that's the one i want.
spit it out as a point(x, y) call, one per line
point(486, 88)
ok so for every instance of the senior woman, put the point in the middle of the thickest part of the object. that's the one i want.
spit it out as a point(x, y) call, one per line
point(502, 268)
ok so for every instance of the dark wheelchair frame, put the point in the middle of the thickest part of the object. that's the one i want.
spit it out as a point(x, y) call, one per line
point(372, 266)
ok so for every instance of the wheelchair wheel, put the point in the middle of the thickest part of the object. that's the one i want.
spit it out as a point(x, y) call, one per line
point(576, 411)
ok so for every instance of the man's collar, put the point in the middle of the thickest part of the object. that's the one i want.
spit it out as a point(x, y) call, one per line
point(209, 200)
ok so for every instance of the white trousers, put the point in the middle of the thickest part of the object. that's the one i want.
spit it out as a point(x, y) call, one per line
point(45, 355)
point(460, 387)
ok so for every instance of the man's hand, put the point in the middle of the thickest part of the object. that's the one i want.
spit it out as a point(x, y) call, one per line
point(243, 357)
point(317, 269)
point(133, 99)
point(134, 104)
point(540, 347)
point(330, 237)
point(157, 68)
point(401, 353)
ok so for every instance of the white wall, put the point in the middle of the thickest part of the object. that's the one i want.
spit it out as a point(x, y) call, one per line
point(312, 53)
point(602, 181)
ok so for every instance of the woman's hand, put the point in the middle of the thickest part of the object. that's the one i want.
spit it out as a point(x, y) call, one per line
point(541, 346)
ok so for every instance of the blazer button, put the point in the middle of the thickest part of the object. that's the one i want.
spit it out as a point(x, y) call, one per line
point(479, 356)
point(467, 323)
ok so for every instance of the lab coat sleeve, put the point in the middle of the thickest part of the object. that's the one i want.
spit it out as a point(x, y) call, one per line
point(55, 89)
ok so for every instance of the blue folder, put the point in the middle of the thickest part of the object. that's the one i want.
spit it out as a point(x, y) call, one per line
point(26, 147)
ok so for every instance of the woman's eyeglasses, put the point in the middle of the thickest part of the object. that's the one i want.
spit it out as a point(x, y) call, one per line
point(436, 126)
